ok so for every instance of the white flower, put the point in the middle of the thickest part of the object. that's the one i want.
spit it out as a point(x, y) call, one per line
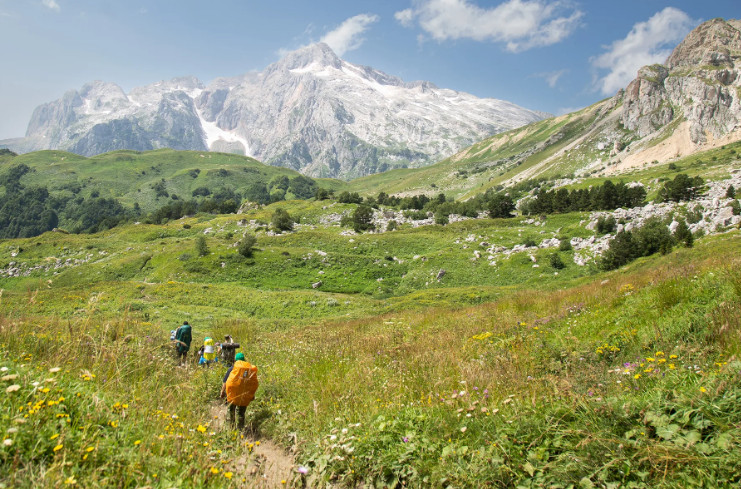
point(7, 442)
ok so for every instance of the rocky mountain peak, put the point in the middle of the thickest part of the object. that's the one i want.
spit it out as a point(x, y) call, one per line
point(713, 43)
point(700, 84)
point(319, 55)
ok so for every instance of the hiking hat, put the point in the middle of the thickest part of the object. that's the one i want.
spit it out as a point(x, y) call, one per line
point(239, 356)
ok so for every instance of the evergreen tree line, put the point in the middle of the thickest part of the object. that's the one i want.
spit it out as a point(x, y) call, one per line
point(496, 204)
point(605, 197)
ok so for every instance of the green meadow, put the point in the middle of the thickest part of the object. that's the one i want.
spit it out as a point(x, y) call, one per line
point(426, 357)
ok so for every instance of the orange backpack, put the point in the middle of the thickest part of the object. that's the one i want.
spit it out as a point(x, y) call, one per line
point(241, 384)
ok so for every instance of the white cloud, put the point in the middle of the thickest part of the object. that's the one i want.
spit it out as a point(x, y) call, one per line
point(647, 43)
point(51, 4)
point(348, 35)
point(405, 17)
point(551, 77)
point(521, 24)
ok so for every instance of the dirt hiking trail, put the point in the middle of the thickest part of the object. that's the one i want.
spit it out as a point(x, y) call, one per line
point(266, 465)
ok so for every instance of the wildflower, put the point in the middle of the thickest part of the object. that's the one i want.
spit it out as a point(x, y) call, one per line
point(214, 470)
point(58, 447)
point(283, 481)
point(12, 388)
point(463, 430)
point(228, 475)
point(659, 353)
point(405, 439)
point(201, 428)
point(702, 389)
point(303, 470)
point(7, 442)
point(54, 370)
point(70, 480)
point(637, 376)
point(89, 449)
point(54, 437)
point(672, 357)
point(137, 442)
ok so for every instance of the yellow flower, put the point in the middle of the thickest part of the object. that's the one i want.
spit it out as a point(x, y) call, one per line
point(54, 437)
point(659, 353)
point(137, 442)
point(228, 475)
point(637, 376)
point(283, 481)
point(257, 443)
point(70, 480)
point(671, 366)
point(89, 449)
point(702, 389)
point(58, 447)
point(214, 470)
point(201, 428)
point(673, 357)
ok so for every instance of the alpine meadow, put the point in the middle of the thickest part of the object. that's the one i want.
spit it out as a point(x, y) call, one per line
point(513, 300)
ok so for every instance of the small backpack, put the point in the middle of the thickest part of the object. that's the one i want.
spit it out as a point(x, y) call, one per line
point(241, 384)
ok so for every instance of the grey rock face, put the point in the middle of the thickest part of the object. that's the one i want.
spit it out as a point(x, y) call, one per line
point(700, 82)
point(310, 111)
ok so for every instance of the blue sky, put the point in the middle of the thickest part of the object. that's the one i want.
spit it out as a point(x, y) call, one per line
point(549, 55)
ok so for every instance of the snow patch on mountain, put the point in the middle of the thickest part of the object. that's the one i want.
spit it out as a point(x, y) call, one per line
point(214, 134)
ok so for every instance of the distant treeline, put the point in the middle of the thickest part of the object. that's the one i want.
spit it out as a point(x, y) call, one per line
point(607, 196)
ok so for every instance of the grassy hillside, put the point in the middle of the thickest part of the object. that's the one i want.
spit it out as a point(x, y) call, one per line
point(501, 371)
point(131, 176)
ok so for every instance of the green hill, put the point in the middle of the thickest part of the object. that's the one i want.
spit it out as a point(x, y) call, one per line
point(135, 177)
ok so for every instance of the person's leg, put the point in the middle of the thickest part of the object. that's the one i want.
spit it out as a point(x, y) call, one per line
point(230, 415)
point(241, 410)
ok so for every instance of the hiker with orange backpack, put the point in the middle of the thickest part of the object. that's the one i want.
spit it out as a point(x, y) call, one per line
point(240, 384)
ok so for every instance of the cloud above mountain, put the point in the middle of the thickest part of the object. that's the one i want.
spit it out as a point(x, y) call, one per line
point(349, 35)
point(51, 4)
point(647, 43)
point(520, 24)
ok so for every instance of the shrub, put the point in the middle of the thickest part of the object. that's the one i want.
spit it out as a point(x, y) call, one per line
point(441, 218)
point(736, 208)
point(606, 225)
point(201, 246)
point(281, 221)
point(530, 242)
point(556, 262)
point(653, 236)
point(246, 246)
point(392, 225)
point(564, 245)
point(683, 234)
point(362, 218)
point(501, 206)
point(731, 192)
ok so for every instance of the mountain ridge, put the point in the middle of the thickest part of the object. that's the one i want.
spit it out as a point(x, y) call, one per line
point(310, 111)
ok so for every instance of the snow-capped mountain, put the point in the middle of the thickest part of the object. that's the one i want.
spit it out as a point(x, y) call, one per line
point(310, 111)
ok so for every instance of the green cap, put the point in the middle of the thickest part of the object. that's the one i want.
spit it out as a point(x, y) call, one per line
point(239, 356)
